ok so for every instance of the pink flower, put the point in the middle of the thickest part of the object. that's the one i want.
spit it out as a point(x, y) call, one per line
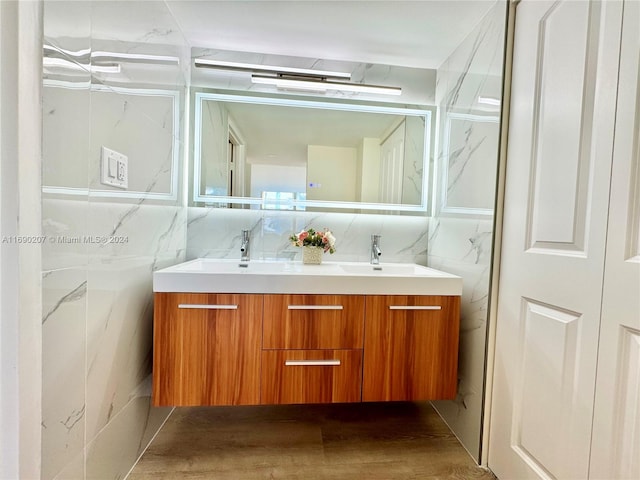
point(311, 237)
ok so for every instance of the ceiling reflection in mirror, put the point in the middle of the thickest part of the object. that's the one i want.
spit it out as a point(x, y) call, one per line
point(285, 154)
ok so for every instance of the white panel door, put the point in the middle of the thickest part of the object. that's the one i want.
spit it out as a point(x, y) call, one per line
point(555, 220)
point(392, 166)
point(616, 431)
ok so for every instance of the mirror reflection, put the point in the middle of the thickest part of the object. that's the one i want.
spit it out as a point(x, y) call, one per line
point(276, 153)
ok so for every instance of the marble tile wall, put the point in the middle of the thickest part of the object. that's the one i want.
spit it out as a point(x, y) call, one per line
point(97, 295)
point(461, 231)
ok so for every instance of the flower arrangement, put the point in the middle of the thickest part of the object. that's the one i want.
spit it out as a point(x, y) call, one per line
point(313, 238)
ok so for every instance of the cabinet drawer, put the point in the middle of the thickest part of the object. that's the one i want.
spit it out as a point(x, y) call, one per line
point(411, 348)
point(206, 349)
point(311, 376)
point(313, 321)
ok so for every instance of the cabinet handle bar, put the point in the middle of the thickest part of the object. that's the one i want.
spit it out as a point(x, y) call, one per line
point(315, 363)
point(415, 307)
point(315, 307)
point(208, 307)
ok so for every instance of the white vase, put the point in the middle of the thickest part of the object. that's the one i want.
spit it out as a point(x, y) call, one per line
point(312, 255)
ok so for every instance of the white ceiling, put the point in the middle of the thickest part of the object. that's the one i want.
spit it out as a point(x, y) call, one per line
point(419, 34)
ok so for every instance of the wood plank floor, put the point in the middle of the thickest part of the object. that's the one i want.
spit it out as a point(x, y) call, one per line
point(371, 441)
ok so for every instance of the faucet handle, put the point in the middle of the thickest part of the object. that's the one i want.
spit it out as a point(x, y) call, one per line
point(244, 240)
point(375, 249)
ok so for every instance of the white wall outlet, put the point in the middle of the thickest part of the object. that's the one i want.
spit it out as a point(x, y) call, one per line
point(114, 168)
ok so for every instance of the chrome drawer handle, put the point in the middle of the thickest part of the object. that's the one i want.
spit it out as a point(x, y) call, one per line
point(208, 307)
point(315, 307)
point(415, 307)
point(315, 363)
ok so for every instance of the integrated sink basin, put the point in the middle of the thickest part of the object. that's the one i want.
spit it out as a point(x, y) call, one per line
point(205, 275)
point(390, 269)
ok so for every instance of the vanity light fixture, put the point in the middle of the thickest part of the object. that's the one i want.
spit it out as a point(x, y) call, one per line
point(50, 62)
point(297, 78)
point(99, 61)
point(322, 85)
point(51, 51)
point(136, 58)
point(57, 50)
point(489, 101)
point(256, 68)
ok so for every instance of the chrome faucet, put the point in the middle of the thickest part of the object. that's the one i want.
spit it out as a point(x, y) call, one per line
point(375, 249)
point(244, 246)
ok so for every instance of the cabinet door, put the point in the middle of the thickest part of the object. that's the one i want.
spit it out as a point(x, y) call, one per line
point(311, 376)
point(410, 348)
point(313, 321)
point(206, 349)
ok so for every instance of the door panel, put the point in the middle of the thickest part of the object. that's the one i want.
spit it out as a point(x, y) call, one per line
point(558, 168)
point(547, 381)
point(391, 167)
point(563, 89)
point(616, 432)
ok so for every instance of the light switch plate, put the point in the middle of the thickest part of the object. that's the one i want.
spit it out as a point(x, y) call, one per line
point(114, 169)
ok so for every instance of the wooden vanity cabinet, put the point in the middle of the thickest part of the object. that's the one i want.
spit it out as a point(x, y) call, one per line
point(206, 349)
point(312, 348)
point(244, 349)
point(410, 348)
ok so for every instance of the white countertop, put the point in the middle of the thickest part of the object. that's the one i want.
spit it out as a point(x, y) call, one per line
point(207, 275)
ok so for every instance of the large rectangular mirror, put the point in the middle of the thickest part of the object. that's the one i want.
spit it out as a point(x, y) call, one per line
point(291, 154)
